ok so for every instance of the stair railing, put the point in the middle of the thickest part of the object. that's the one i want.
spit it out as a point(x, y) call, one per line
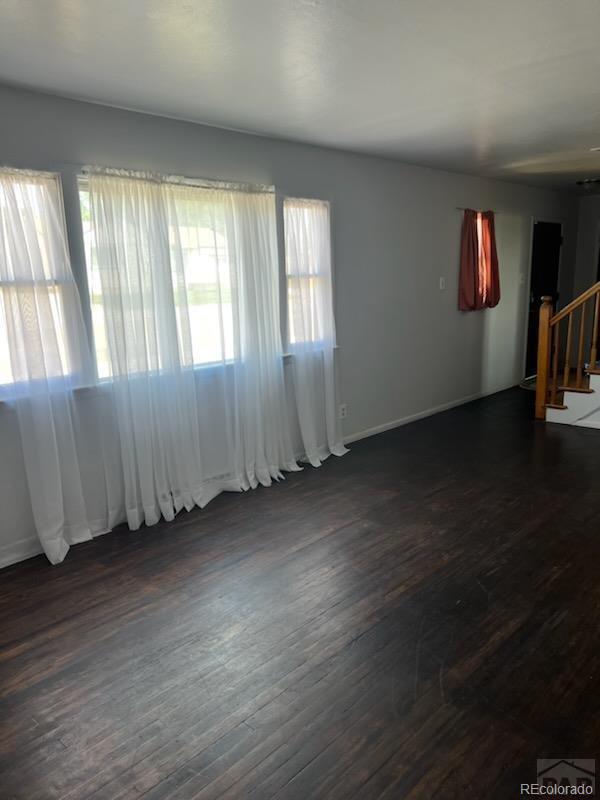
point(556, 370)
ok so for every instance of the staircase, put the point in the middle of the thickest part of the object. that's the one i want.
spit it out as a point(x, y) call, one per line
point(578, 408)
point(568, 377)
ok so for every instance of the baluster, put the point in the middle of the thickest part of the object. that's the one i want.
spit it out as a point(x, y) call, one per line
point(594, 349)
point(555, 366)
point(568, 352)
point(580, 353)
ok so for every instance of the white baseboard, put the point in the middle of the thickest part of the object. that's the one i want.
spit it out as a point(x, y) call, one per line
point(12, 552)
point(428, 412)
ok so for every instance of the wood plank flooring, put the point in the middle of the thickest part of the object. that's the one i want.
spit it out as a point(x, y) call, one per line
point(416, 620)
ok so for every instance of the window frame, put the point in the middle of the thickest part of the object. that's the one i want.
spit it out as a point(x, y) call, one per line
point(288, 345)
point(201, 368)
point(75, 376)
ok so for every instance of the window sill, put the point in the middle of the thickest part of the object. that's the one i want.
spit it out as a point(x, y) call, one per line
point(102, 387)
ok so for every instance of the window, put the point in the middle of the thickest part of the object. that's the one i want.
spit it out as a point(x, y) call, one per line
point(308, 271)
point(200, 275)
point(200, 258)
point(39, 303)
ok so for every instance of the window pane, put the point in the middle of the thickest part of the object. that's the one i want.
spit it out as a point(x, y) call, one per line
point(5, 367)
point(201, 277)
point(304, 294)
point(95, 289)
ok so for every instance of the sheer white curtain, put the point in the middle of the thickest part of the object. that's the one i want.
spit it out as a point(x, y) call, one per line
point(190, 312)
point(311, 325)
point(43, 352)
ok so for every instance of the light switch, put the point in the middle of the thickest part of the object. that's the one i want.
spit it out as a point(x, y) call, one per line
point(442, 284)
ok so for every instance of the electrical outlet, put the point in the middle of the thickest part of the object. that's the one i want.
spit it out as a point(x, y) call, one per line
point(343, 410)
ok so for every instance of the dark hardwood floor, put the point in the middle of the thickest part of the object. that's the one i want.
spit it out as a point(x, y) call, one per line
point(416, 620)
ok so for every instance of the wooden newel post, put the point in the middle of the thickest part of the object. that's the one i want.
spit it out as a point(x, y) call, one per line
point(543, 358)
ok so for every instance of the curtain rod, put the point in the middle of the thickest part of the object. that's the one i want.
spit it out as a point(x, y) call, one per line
point(211, 183)
point(177, 180)
point(479, 211)
point(31, 173)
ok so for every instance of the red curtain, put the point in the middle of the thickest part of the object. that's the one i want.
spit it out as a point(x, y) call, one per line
point(479, 282)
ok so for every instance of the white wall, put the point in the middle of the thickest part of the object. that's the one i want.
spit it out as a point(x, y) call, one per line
point(505, 327)
point(404, 346)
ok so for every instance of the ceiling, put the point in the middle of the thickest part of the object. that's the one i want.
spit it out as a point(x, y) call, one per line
point(507, 89)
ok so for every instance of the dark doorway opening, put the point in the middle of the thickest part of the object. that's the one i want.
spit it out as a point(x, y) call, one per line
point(545, 261)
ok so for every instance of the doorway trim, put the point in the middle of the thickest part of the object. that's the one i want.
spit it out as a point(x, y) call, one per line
point(597, 253)
point(535, 219)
